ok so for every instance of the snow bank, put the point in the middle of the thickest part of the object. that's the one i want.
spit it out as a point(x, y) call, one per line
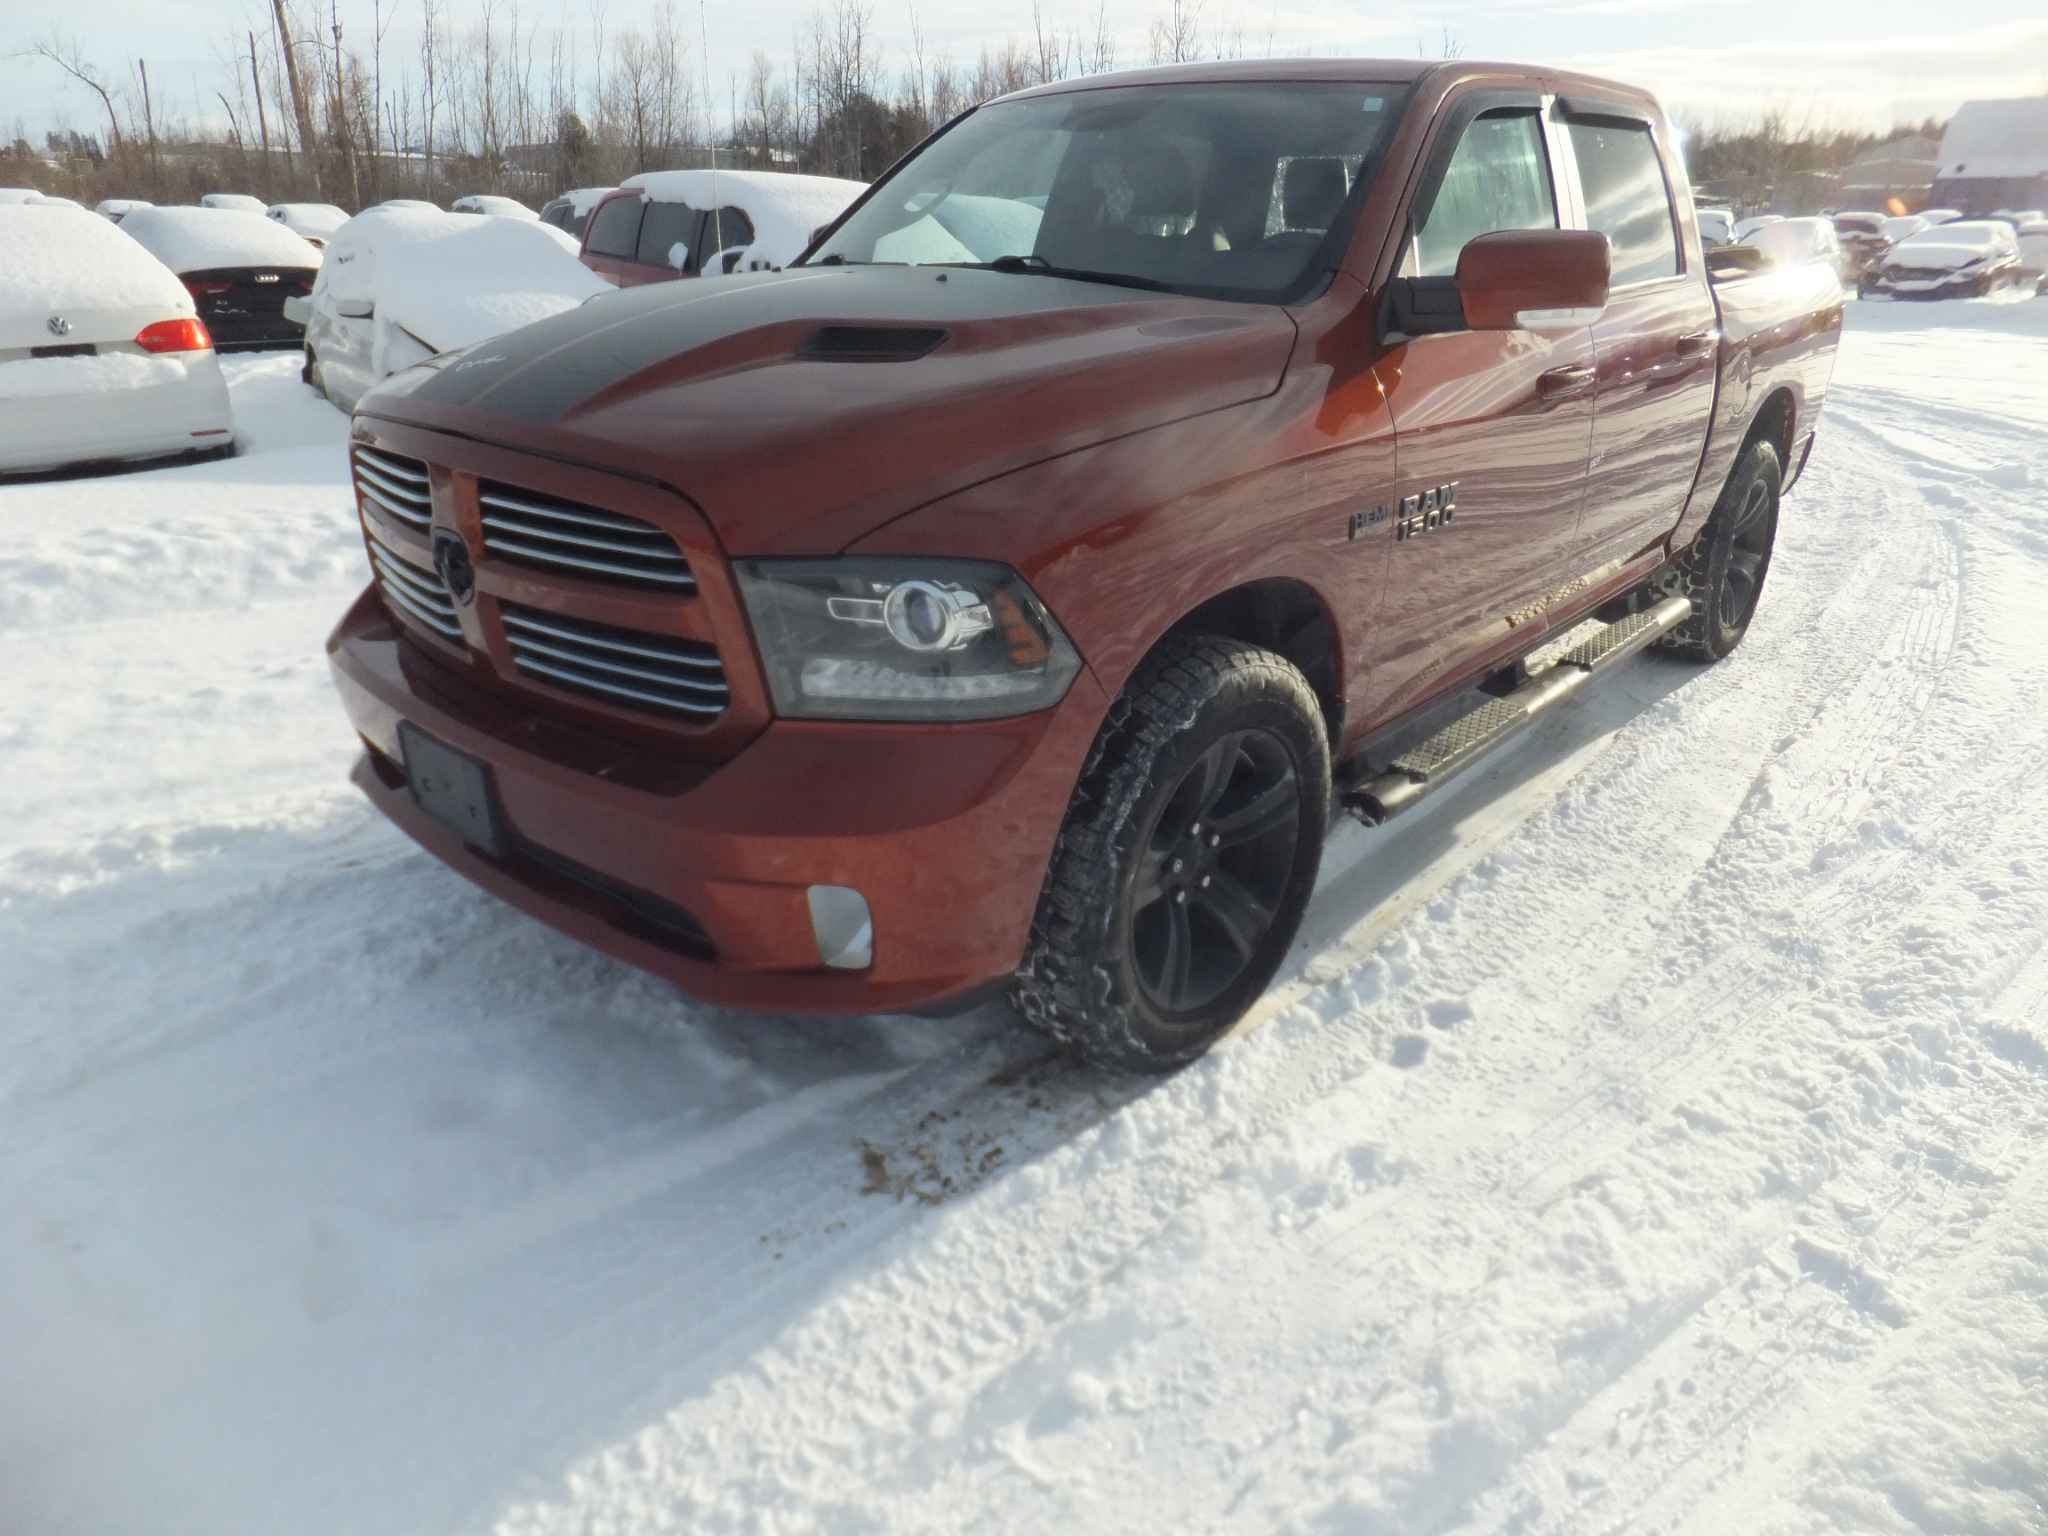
point(784, 210)
point(200, 239)
point(455, 279)
point(65, 258)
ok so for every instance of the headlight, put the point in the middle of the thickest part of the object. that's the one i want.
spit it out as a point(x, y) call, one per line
point(904, 639)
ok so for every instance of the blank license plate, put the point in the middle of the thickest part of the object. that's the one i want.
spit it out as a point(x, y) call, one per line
point(453, 788)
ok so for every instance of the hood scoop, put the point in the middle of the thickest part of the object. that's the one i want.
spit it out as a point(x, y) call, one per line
point(869, 343)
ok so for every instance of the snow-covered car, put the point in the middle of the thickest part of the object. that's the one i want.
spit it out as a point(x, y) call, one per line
point(1941, 215)
point(313, 223)
point(663, 225)
point(118, 208)
point(18, 195)
point(401, 285)
point(1897, 228)
point(239, 267)
point(2033, 242)
point(103, 356)
point(232, 202)
point(1756, 221)
point(2019, 218)
point(499, 207)
point(1793, 242)
point(44, 200)
point(416, 204)
point(1717, 226)
point(571, 211)
point(1968, 259)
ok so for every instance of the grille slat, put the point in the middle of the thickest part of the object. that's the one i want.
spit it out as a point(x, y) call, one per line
point(673, 677)
point(414, 590)
point(557, 535)
point(400, 486)
point(655, 551)
point(605, 639)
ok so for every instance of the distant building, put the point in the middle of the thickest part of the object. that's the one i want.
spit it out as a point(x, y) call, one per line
point(1994, 155)
point(1893, 178)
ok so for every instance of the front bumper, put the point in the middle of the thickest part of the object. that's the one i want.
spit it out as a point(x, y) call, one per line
point(57, 412)
point(1974, 285)
point(699, 872)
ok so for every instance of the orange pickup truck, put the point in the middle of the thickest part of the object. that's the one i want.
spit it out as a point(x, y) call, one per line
point(1007, 595)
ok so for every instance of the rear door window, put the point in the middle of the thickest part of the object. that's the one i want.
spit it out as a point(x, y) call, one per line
point(1498, 178)
point(1622, 178)
point(615, 231)
point(668, 237)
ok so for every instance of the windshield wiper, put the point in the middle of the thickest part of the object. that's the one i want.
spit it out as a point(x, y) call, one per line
point(1038, 264)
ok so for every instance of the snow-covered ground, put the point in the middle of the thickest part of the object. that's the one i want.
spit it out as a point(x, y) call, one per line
point(1650, 1135)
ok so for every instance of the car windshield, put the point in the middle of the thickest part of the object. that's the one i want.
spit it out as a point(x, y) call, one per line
point(1228, 191)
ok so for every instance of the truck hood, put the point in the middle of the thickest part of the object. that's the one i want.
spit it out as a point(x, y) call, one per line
point(801, 410)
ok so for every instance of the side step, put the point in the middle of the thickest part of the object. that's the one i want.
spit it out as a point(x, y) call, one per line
point(1429, 765)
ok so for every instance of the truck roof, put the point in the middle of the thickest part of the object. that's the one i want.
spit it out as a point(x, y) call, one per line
point(1441, 74)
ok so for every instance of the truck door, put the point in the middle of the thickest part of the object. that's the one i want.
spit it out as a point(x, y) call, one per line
point(1657, 346)
point(1491, 427)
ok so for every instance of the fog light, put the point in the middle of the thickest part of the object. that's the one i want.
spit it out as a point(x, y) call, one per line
point(840, 924)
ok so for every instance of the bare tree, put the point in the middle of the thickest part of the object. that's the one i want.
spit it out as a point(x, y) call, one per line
point(66, 56)
point(301, 107)
point(1176, 32)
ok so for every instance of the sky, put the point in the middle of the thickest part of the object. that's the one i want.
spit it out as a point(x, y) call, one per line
point(1862, 63)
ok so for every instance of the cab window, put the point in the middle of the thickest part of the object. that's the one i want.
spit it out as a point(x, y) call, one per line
point(1627, 200)
point(666, 227)
point(1498, 178)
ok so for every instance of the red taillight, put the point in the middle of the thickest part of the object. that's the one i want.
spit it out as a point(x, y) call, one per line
point(186, 335)
point(205, 290)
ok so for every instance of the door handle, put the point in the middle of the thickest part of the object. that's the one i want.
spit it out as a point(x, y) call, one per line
point(1698, 343)
point(1566, 383)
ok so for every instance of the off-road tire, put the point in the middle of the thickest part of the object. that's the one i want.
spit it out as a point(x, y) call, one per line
point(1702, 570)
point(1080, 980)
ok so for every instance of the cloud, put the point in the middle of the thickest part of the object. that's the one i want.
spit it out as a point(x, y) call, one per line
point(1845, 80)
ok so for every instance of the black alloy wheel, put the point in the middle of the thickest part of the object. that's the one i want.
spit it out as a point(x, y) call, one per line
point(1214, 873)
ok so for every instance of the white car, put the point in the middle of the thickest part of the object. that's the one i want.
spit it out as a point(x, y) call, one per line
point(102, 355)
point(1717, 226)
point(313, 223)
point(118, 208)
point(1967, 259)
point(401, 285)
point(1941, 215)
point(1795, 242)
point(1753, 223)
point(500, 207)
point(44, 200)
point(237, 202)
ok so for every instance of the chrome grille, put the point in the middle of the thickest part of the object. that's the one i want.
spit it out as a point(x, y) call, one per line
point(620, 666)
point(414, 590)
point(535, 529)
point(397, 485)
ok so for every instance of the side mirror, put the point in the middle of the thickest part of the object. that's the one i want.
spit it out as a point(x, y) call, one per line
point(1520, 279)
point(355, 309)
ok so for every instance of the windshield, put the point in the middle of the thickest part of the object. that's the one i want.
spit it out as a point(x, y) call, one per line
point(1228, 191)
